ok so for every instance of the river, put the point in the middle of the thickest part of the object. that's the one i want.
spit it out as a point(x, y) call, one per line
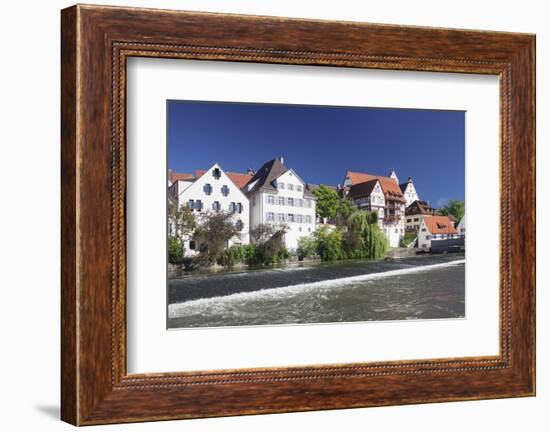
point(423, 287)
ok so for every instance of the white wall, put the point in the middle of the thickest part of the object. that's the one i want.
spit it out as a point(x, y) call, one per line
point(30, 136)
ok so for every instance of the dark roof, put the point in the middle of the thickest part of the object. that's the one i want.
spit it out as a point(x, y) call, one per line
point(389, 186)
point(362, 189)
point(266, 175)
point(419, 207)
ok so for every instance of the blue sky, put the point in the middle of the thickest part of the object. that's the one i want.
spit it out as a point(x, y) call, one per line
point(321, 143)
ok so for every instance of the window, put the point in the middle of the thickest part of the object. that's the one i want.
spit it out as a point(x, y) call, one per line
point(409, 220)
point(280, 186)
point(192, 245)
point(198, 205)
point(298, 188)
point(299, 218)
point(428, 237)
point(240, 207)
point(309, 229)
point(207, 189)
point(290, 186)
point(300, 229)
point(308, 203)
point(290, 218)
point(270, 216)
point(308, 219)
point(415, 219)
point(299, 202)
point(281, 200)
point(216, 173)
point(225, 190)
point(280, 217)
point(216, 206)
point(270, 199)
point(423, 229)
point(239, 225)
point(290, 202)
point(191, 204)
point(232, 207)
point(254, 201)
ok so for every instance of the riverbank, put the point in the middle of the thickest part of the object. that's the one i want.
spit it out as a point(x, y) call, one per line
point(209, 285)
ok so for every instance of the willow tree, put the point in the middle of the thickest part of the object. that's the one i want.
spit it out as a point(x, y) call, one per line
point(363, 238)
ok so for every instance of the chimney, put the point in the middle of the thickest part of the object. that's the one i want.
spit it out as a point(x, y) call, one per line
point(282, 160)
point(410, 179)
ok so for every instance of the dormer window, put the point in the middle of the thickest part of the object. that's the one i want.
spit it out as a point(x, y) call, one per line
point(207, 189)
point(216, 173)
point(225, 190)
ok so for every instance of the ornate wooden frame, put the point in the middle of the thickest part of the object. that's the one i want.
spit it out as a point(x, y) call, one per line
point(95, 42)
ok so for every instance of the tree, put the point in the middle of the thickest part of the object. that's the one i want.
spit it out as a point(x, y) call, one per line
point(344, 209)
point(262, 232)
point(329, 244)
point(175, 250)
point(453, 207)
point(327, 200)
point(182, 225)
point(214, 231)
point(182, 220)
point(269, 245)
point(307, 246)
point(363, 238)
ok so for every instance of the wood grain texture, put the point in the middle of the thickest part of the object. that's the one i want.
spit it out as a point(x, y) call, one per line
point(96, 41)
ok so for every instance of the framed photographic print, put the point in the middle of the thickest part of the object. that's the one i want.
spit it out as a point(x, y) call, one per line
point(269, 215)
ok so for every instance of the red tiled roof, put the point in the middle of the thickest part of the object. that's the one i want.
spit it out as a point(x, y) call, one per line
point(439, 224)
point(175, 176)
point(389, 186)
point(239, 179)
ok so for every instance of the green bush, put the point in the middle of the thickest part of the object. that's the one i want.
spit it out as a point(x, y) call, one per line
point(407, 239)
point(329, 244)
point(307, 247)
point(175, 250)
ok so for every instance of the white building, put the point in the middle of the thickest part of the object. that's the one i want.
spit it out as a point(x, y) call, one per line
point(461, 227)
point(212, 191)
point(409, 191)
point(434, 227)
point(414, 213)
point(279, 197)
point(381, 194)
